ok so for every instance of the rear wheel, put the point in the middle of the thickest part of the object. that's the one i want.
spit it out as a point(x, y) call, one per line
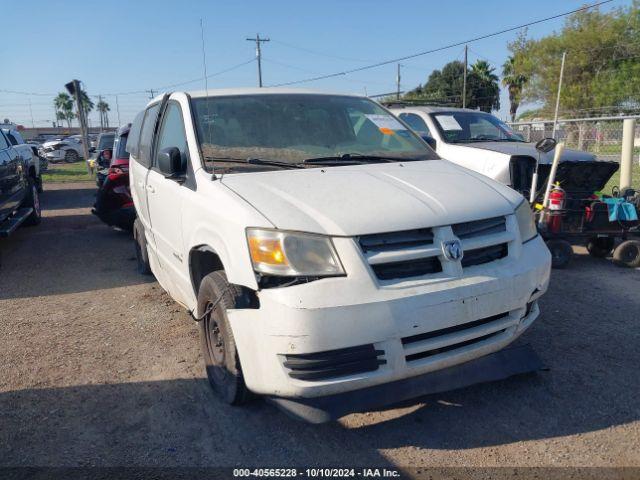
point(71, 156)
point(600, 247)
point(140, 244)
point(33, 201)
point(627, 254)
point(561, 253)
point(221, 358)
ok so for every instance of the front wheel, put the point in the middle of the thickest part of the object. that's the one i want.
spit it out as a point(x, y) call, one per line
point(221, 358)
point(627, 254)
point(71, 156)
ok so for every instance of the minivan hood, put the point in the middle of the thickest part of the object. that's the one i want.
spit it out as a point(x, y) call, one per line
point(375, 198)
point(529, 149)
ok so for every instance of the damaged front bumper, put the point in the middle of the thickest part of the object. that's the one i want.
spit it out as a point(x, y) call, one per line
point(496, 366)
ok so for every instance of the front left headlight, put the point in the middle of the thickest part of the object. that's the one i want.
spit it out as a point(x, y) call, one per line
point(526, 221)
point(292, 254)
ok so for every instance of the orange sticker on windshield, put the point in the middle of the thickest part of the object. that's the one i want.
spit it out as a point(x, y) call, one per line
point(386, 131)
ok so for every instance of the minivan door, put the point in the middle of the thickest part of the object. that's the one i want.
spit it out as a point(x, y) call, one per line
point(141, 158)
point(165, 198)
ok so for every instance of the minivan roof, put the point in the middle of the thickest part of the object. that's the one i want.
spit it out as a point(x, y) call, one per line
point(222, 92)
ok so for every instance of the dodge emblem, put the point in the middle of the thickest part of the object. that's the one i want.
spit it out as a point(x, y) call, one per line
point(452, 250)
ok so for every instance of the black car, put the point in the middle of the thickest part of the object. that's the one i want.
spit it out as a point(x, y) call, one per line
point(19, 198)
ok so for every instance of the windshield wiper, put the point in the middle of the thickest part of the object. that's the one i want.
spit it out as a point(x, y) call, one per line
point(254, 161)
point(354, 158)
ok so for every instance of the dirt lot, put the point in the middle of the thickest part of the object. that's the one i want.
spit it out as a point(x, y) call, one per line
point(99, 367)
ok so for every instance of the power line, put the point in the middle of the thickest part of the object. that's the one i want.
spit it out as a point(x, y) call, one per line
point(456, 44)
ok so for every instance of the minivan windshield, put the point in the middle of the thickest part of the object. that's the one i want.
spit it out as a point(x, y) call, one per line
point(280, 130)
point(470, 127)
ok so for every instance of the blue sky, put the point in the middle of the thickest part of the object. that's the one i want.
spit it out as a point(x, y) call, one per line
point(127, 46)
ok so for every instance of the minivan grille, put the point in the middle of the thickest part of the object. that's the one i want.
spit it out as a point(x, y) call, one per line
point(334, 363)
point(413, 253)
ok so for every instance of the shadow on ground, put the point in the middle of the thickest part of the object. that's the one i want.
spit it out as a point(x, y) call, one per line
point(68, 252)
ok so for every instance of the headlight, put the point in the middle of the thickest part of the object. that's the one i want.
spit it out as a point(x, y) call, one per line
point(526, 222)
point(292, 254)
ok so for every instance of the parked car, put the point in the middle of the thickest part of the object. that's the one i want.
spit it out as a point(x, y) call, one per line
point(29, 154)
point(19, 198)
point(114, 205)
point(481, 142)
point(333, 261)
point(68, 149)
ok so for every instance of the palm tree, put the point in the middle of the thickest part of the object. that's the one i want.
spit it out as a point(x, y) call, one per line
point(103, 108)
point(87, 103)
point(514, 83)
point(487, 91)
point(64, 107)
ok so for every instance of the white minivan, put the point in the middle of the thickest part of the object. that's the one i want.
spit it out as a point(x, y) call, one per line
point(333, 261)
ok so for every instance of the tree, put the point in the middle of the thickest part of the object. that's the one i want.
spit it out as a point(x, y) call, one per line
point(87, 103)
point(483, 86)
point(444, 87)
point(103, 108)
point(64, 108)
point(602, 70)
point(514, 82)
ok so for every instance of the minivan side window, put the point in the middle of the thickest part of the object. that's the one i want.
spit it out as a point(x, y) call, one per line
point(146, 135)
point(172, 132)
point(416, 123)
point(134, 135)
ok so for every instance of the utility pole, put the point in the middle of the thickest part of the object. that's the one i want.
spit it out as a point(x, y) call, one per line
point(33, 124)
point(118, 110)
point(152, 93)
point(555, 118)
point(398, 84)
point(73, 87)
point(258, 41)
point(464, 80)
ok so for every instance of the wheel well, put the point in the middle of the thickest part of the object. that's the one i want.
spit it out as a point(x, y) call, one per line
point(202, 261)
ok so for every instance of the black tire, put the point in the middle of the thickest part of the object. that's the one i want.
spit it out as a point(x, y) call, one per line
point(600, 247)
point(561, 253)
point(627, 254)
point(33, 201)
point(218, 345)
point(71, 156)
point(140, 244)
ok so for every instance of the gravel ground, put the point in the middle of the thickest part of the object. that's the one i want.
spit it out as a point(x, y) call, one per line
point(99, 367)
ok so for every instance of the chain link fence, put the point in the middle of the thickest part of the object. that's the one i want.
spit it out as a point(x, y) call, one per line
point(601, 136)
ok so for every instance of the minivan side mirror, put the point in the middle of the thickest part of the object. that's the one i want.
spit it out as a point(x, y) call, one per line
point(170, 162)
point(430, 140)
